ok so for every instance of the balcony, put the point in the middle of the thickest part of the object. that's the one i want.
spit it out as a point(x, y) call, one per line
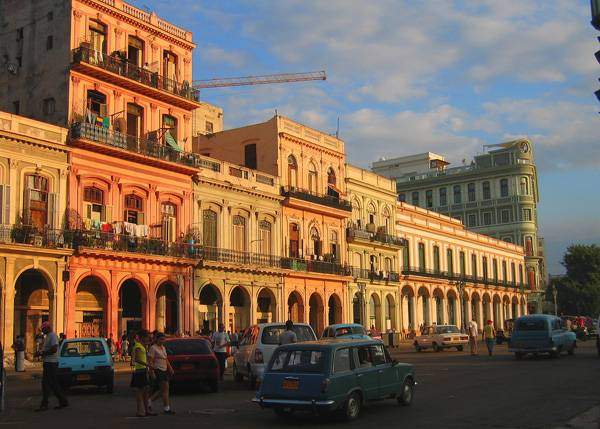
point(381, 276)
point(312, 197)
point(135, 147)
point(312, 266)
point(423, 272)
point(116, 69)
point(32, 236)
point(354, 233)
point(215, 254)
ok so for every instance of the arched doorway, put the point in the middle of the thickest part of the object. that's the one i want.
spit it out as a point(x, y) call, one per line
point(452, 308)
point(505, 308)
point(90, 308)
point(357, 308)
point(239, 309)
point(390, 312)
point(210, 309)
point(295, 308)
point(33, 306)
point(167, 308)
point(315, 314)
point(497, 312)
point(514, 308)
point(423, 298)
point(438, 296)
point(408, 308)
point(485, 305)
point(375, 312)
point(475, 306)
point(132, 306)
point(266, 308)
point(335, 309)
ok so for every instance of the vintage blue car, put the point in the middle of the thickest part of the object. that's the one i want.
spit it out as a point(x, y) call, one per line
point(541, 333)
point(86, 361)
point(345, 330)
point(333, 375)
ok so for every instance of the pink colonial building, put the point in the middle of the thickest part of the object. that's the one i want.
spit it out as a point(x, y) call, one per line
point(119, 78)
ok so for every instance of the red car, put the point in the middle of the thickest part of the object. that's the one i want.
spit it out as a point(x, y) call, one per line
point(193, 361)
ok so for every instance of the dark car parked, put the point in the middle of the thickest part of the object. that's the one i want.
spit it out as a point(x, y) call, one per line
point(193, 362)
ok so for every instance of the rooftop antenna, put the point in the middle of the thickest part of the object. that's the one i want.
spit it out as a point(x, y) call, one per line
point(337, 131)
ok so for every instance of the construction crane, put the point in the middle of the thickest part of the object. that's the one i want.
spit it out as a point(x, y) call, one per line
point(259, 80)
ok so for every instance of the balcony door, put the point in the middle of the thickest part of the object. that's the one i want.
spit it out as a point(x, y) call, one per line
point(97, 36)
point(294, 241)
point(135, 122)
point(135, 51)
point(36, 201)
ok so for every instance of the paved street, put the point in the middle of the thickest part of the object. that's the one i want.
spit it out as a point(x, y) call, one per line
point(455, 390)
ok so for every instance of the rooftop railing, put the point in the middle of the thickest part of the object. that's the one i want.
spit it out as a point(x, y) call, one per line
point(120, 66)
point(325, 200)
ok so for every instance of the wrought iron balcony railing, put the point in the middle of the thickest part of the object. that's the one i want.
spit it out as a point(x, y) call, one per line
point(457, 277)
point(312, 266)
point(361, 273)
point(233, 256)
point(30, 235)
point(120, 66)
point(325, 200)
point(353, 233)
point(140, 146)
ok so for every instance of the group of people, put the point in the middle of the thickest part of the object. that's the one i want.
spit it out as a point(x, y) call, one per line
point(488, 334)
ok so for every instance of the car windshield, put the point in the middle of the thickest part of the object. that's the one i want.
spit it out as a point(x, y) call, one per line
point(302, 361)
point(187, 347)
point(82, 348)
point(447, 330)
point(531, 325)
point(349, 330)
point(271, 334)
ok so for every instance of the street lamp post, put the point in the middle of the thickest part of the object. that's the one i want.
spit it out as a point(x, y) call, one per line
point(460, 286)
point(554, 295)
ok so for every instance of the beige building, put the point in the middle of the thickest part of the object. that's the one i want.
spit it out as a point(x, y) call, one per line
point(444, 262)
point(237, 214)
point(207, 119)
point(33, 247)
point(374, 250)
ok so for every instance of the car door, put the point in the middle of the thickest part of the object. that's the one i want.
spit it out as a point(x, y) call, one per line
point(559, 335)
point(386, 375)
point(342, 378)
point(366, 372)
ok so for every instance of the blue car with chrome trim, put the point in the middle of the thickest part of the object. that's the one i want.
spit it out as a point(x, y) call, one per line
point(541, 333)
point(333, 375)
point(86, 361)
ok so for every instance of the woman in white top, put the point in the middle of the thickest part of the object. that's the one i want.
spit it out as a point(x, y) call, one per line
point(161, 371)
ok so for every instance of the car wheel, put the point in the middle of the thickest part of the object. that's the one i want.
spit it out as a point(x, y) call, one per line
point(407, 393)
point(518, 355)
point(110, 386)
point(571, 350)
point(436, 347)
point(213, 386)
point(283, 413)
point(459, 348)
point(352, 406)
point(418, 347)
point(236, 375)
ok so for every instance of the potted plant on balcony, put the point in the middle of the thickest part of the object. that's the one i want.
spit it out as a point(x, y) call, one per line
point(21, 233)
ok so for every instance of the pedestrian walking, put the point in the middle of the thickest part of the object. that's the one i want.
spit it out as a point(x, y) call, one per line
point(49, 355)
point(139, 378)
point(489, 334)
point(19, 348)
point(473, 334)
point(288, 336)
point(161, 371)
point(220, 341)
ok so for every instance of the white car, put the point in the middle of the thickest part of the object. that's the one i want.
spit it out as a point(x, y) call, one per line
point(439, 337)
point(256, 346)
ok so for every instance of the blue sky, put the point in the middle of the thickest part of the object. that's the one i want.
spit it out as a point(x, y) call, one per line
point(412, 76)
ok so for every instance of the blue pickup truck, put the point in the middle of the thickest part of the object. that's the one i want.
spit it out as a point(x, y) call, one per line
point(541, 333)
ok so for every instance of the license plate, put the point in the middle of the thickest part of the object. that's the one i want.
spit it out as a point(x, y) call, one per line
point(84, 377)
point(291, 384)
point(187, 366)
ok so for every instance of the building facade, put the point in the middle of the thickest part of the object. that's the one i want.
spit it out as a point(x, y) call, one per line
point(310, 166)
point(496, 195)
point(33, 248)
point(452, 275)
point(374, 251)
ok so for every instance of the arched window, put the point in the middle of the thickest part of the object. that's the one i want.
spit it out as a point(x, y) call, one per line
point(487, 192)
point(503, 187)
point(264, 239)
point(334, 245)
point(371, 213)
point(93, 205)
point(373, 265)
point(239, 233)
point(457, 194)
point(134, 209)
point(386, 220)
point(37, 205)
point(294, 239)
point(209, 228)
point(313, 186)
point(315, 238)
point(292, 172)
point(332, 183)
point(169, 221)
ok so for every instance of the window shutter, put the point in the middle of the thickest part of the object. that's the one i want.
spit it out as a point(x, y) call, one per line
point(165, 229)
point(27, 206)
point(102, 213)
point(87, 209)
point(172, 229)
point(141, 218)
point(52, 210)
point(6, 202)
point(108, 214)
